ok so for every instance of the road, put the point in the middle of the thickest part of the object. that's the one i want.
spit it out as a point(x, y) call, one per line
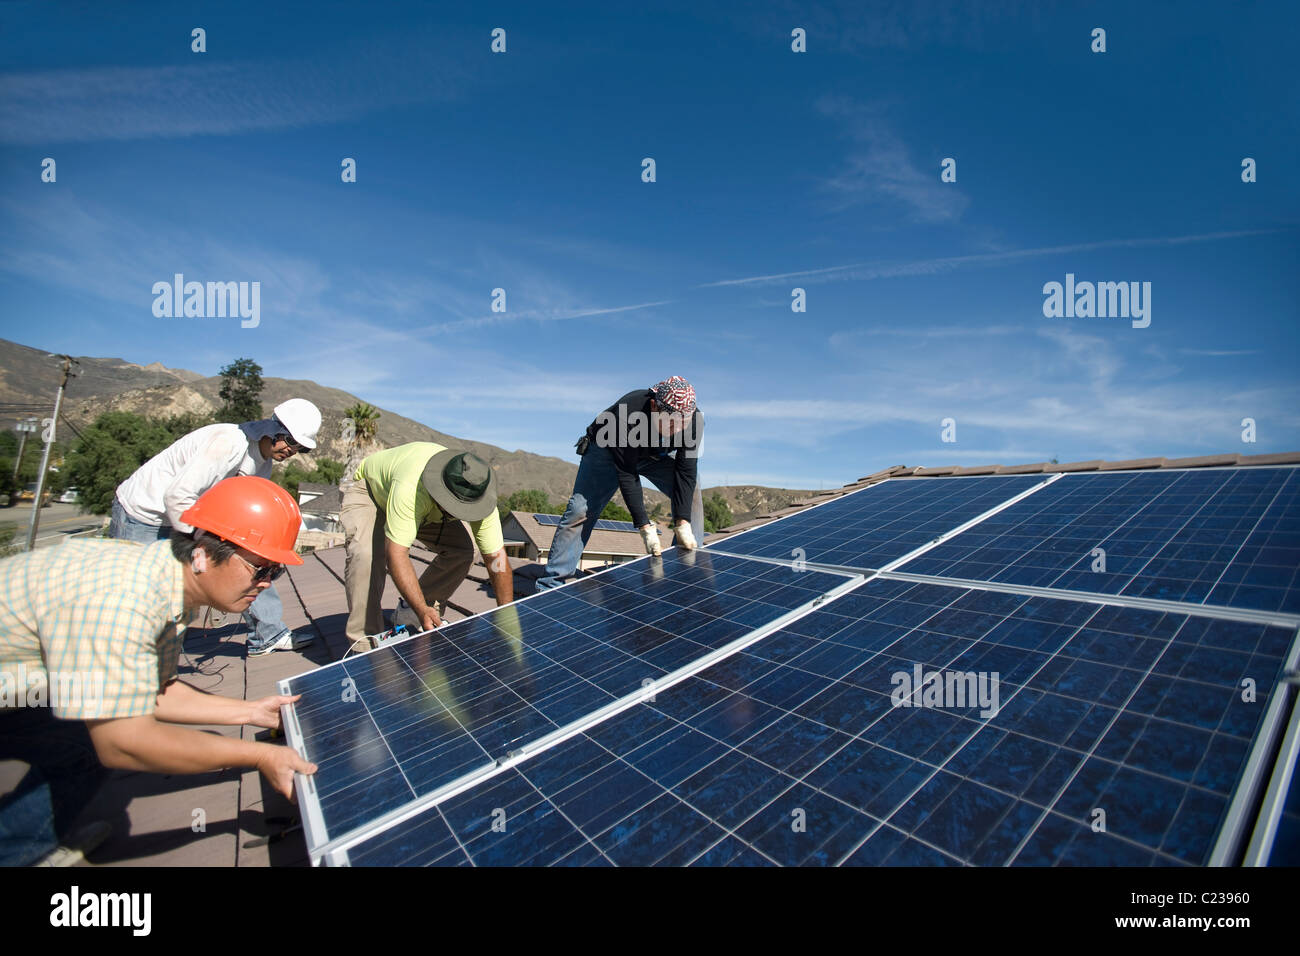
point(57, 521)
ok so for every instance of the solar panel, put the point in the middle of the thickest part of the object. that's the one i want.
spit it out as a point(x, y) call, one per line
point(411, 717)
point(879, 524)
point(602, 524)
point(1286, 844)
point(792, 751)
point(1227, 537)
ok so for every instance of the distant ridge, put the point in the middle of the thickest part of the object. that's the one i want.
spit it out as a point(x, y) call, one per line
point(29, 376)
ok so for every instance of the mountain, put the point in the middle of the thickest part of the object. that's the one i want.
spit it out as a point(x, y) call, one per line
point(29, 379)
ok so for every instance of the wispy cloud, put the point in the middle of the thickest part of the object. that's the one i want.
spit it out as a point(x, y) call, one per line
point(866, 271)
point(540, 315)
point(880, 168)
point(215, 99)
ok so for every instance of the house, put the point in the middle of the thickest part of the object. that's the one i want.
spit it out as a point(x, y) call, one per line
point(320, 506)
point(529, 536)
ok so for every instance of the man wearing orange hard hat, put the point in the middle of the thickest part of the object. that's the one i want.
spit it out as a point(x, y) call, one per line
point(90, 636)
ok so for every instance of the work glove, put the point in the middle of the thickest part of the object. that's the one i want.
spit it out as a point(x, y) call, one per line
point(650, 537)
point(686, 537)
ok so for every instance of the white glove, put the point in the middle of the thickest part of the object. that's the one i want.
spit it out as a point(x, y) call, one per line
point(686, 537)
point(650, 537)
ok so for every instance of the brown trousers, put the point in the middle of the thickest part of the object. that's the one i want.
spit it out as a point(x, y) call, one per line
point(366, 563)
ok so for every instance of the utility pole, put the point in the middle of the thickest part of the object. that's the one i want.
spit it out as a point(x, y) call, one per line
point(45, 455)
point(23, 428)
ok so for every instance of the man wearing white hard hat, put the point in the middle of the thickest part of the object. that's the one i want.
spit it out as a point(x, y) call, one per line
point(149, 504)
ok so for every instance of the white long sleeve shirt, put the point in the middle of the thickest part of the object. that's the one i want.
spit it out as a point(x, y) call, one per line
point(165, 486)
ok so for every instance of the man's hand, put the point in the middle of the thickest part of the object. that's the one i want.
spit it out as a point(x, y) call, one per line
point(685, 536)
point(266, 711)
point(278, 764)
point(650, 538)
point(429, 619)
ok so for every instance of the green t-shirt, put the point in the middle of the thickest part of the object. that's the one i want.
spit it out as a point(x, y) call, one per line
point(393, 477)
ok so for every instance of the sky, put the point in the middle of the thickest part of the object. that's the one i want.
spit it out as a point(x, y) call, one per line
point(923, 339)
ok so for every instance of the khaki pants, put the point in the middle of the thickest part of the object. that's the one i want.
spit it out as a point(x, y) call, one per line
point(366, 564)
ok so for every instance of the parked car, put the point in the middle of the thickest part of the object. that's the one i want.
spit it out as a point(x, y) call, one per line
point(29, 494)
point(70, 496)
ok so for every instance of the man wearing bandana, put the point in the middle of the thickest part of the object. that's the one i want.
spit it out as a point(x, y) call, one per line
point(649, 433)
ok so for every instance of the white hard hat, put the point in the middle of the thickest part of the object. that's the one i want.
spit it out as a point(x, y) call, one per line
point(302, 418)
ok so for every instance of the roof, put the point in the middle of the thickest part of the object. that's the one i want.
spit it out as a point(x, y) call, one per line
point(325, 500)
point(1042, 467)
point(241, 810)
point(602, 541)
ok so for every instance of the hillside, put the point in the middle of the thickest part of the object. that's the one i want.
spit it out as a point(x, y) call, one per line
point(29, 377)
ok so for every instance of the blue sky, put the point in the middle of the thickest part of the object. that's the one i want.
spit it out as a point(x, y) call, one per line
point(775, 170)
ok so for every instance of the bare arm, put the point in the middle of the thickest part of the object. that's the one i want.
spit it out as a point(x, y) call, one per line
point(142, 743)
point(179, 703)
point(502, 578)
point(408, 585)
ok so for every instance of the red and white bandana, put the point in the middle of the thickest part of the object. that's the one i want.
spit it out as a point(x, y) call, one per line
point(675, 394)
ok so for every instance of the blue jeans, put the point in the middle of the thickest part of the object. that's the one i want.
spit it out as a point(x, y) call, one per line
point(65, 774)
point(264, 617)
point(596, 484)
point(126, 528)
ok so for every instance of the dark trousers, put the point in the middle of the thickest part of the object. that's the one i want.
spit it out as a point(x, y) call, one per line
point(65, 774)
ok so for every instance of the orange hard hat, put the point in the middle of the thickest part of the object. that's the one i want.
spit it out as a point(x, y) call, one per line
point(253, 513)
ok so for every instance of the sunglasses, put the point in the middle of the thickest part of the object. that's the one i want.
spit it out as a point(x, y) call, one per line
point(263, 572)
point(288, 440)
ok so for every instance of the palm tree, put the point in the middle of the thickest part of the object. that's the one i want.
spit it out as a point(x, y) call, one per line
point(365, 421)
point(365, 425)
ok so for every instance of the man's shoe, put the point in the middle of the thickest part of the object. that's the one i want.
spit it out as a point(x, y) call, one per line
point(288, 641)
point(82, 841)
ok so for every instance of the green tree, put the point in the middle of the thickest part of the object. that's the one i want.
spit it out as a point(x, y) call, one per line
point(106, 454)
point(329, 470)
point(365, 421)
point(326, 472)
point(31, 462)
point(241, 392)
point(717, 513)
point(178, 426)
point(532, 500)
point(616, 513)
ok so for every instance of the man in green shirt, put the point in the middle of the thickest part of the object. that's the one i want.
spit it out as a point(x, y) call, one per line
point(418, 492)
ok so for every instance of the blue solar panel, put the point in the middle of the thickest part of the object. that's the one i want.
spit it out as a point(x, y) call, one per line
point(1286, 842)
point(881, 523)
point(602, 524)
point(1222, 536)
point(410, 717)
point(792, 751)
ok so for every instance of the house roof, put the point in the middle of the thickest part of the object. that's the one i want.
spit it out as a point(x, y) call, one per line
point(602, 541)
point(325, 500)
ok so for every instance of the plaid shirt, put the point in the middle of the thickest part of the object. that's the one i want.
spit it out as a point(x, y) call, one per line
point(110, 613)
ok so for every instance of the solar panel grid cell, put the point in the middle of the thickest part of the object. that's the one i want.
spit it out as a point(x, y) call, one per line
point(1228, 537)
point(792, 751)
point(881, 523)
point(410, 717)
point(602, 524)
